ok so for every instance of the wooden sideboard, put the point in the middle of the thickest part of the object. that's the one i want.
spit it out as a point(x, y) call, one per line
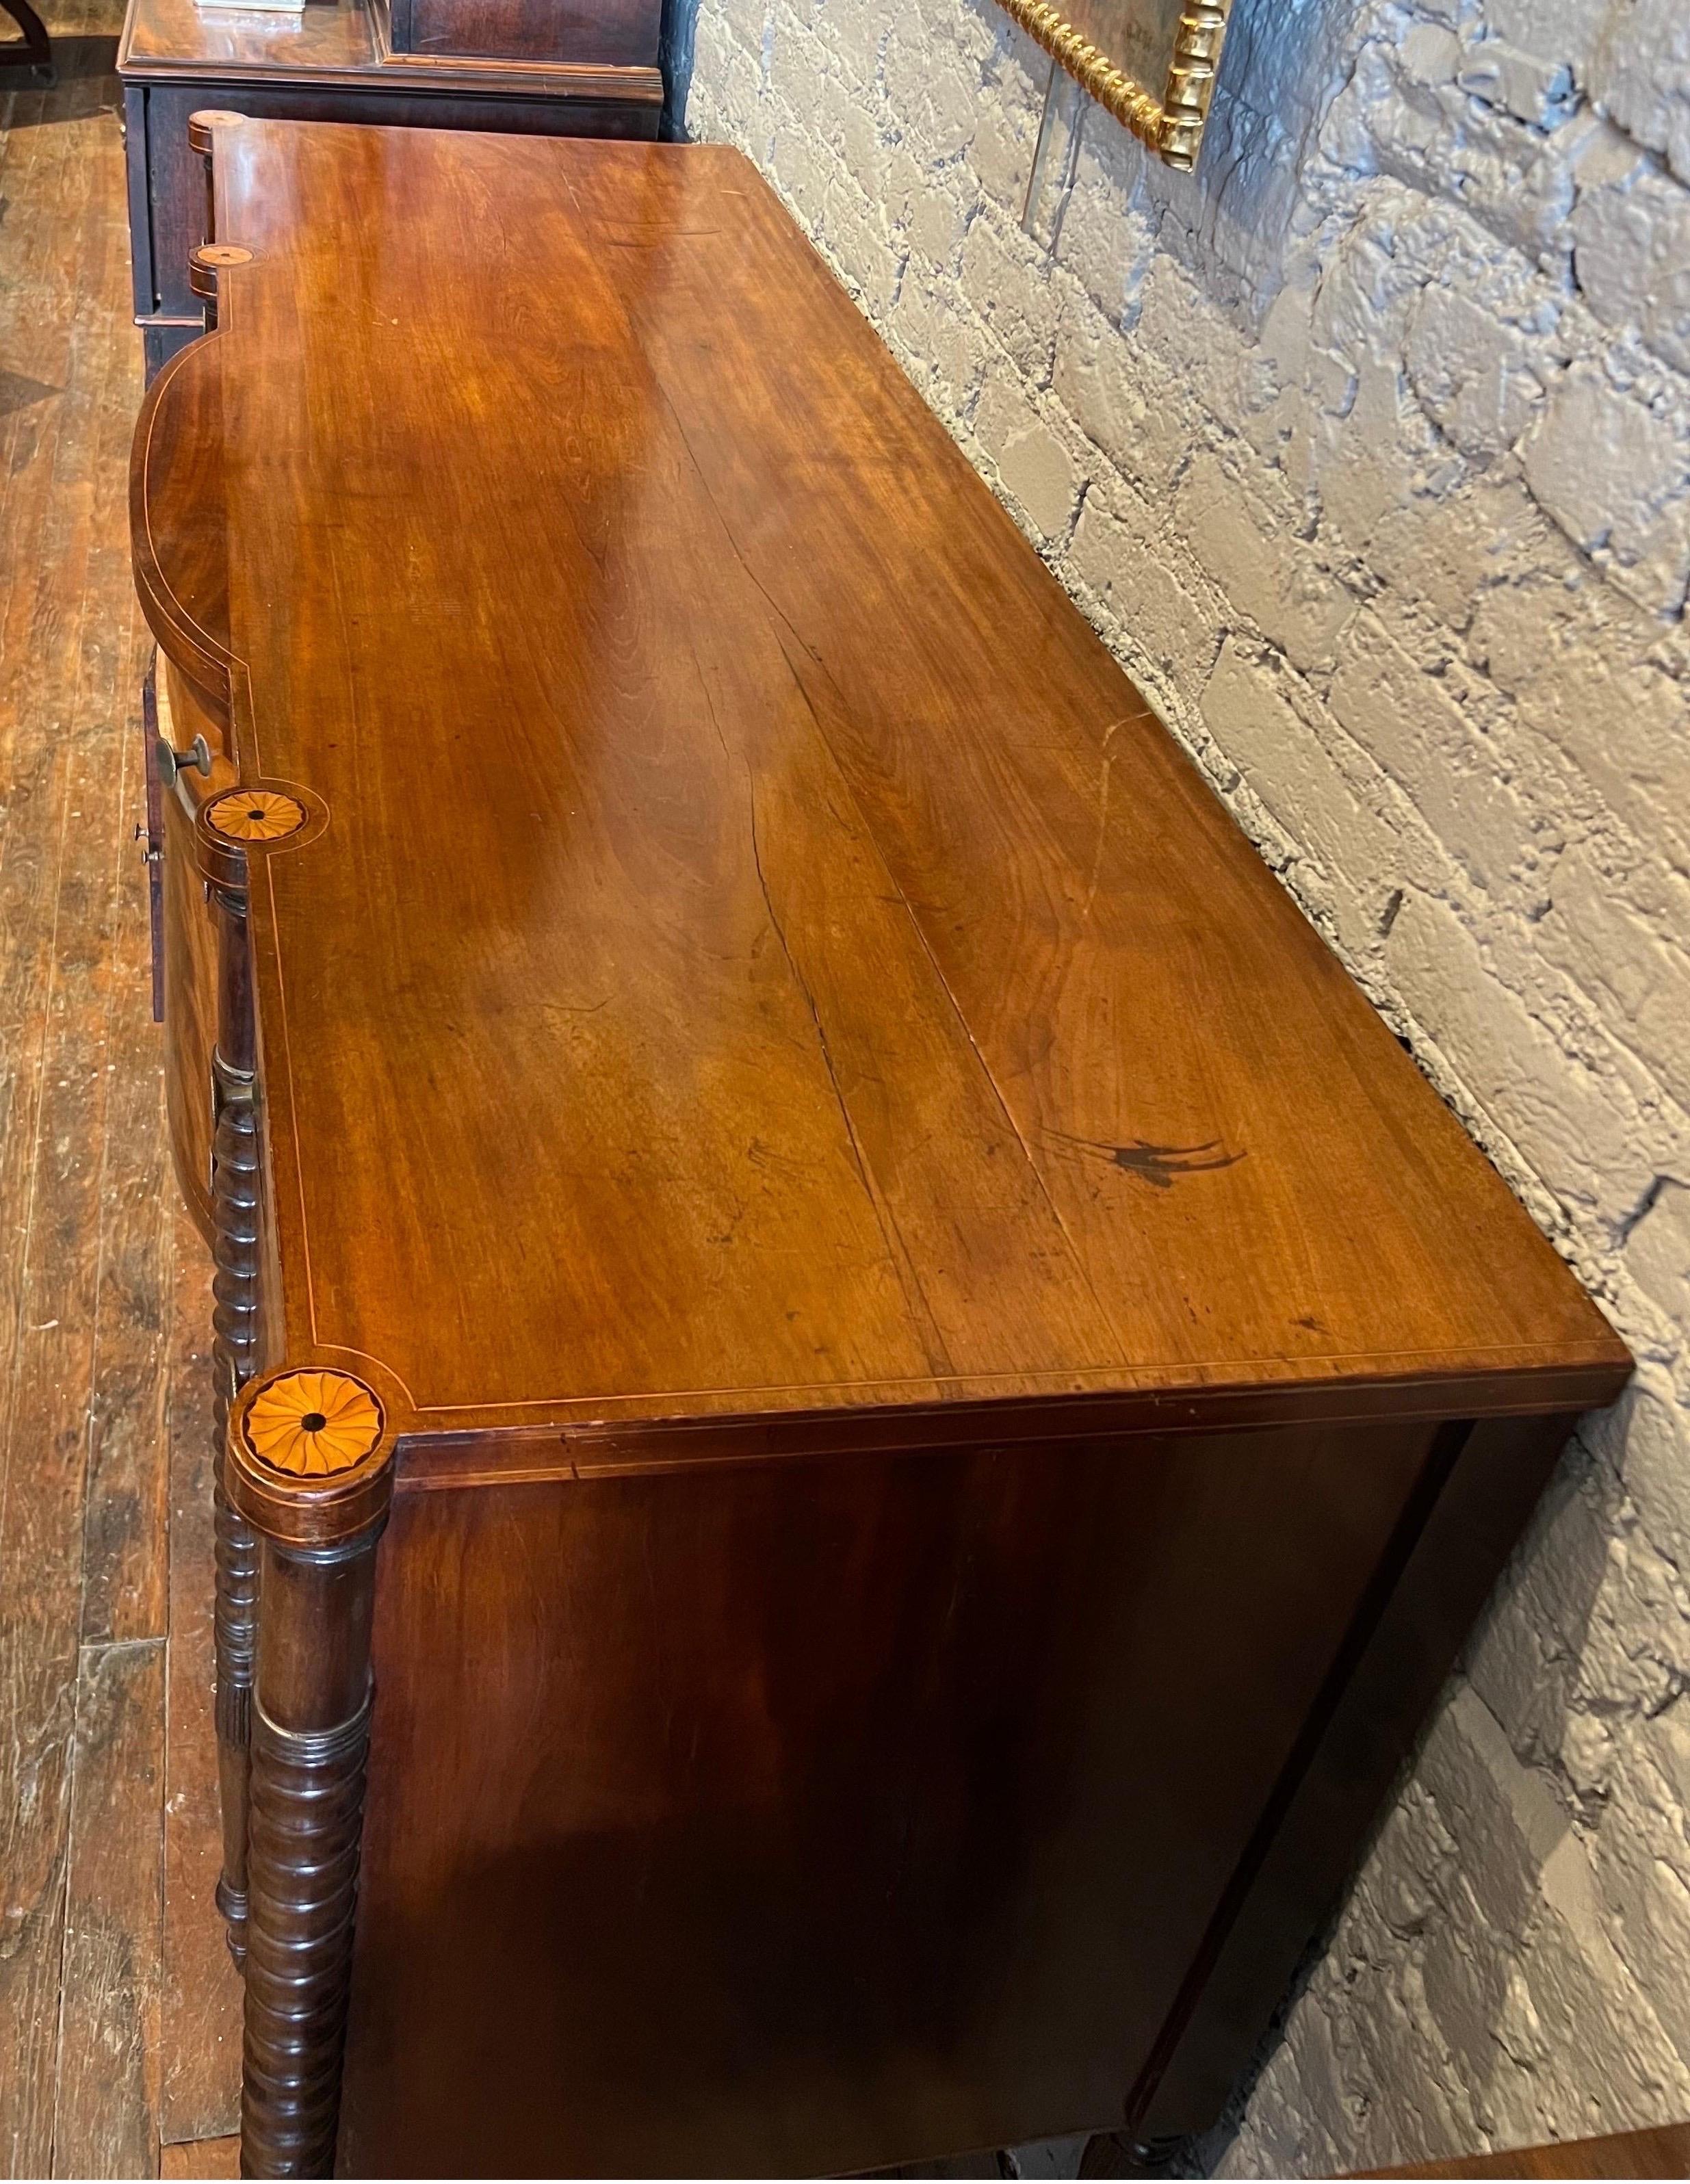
point(865, 1399)
point(585, 68)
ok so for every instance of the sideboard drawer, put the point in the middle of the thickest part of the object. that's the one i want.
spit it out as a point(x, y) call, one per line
point(623, 34)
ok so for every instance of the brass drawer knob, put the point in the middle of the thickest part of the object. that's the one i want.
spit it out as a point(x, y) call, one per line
point(198, 755)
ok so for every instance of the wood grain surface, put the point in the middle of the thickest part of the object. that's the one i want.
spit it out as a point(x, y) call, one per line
point(1663, 2152)
point(91, 1251)
point(200, 2087)
point(106, 2121)
point(813, 1817)
point(203, 2157)
point(344, 42)
point(622, 32)
point(748, 885)
point(74, 1169)
point(334, 36)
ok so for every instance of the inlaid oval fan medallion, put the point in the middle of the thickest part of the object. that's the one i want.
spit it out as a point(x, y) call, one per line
point(255, 815)
point(314, 1424)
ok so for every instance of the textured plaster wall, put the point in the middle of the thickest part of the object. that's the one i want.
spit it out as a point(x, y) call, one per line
point(1368, 449)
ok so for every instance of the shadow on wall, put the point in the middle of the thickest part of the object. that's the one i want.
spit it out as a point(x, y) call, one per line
point(1285, 62)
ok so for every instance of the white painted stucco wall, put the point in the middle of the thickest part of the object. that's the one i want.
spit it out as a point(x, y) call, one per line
point(1368, 449)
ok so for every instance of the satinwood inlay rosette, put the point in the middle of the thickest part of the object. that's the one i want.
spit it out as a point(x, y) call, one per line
point(255, 815)
point(312, 1425)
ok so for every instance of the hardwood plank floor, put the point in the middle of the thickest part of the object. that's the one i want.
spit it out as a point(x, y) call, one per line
point(1664, 2151)
point(105, 2120)
point(119, 2012)
point(203, 2157)
point(201, 2096)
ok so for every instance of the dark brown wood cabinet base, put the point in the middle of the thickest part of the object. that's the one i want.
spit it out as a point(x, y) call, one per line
point(865, 1401)
point(555, 69)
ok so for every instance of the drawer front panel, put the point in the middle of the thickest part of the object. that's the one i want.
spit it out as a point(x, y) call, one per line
point(621, 34)
point(190, 949)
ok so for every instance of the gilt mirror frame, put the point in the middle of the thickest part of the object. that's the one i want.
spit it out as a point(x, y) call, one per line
point(1171, 125)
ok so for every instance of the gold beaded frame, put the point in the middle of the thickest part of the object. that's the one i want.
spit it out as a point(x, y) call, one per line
point(1172, 125)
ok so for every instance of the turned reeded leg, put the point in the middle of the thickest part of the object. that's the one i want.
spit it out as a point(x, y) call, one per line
point(236, 1617)
point(307, 1813)
point(234, 1356)
point(309, 1471)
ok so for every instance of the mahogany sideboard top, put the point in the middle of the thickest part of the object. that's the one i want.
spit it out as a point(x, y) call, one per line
point(755, 956)
point(936, 1392)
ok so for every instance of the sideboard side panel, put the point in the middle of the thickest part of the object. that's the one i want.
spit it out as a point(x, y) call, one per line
point(136, 164)
point(831, 1813)
point(1472, 1529)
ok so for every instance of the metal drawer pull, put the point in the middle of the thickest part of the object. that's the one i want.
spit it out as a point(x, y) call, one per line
point(172, 762)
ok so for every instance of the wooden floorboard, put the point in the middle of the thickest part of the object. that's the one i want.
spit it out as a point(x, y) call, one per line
point(119, 2011)
point(106, 2114)
point(203, 2157)
point(54, 930)
point(201, 2017)
point(125, 1516)
point(1664, 2152)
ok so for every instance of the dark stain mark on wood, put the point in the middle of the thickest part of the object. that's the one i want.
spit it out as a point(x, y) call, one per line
point(1161, 1166)
point(18, 391)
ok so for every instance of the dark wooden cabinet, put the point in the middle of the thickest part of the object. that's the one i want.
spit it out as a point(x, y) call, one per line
point(608, 33)
point(586, 68)
point(865, 1401)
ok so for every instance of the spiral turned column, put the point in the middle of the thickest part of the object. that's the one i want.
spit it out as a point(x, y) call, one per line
point(310, 1470)
point(234, 1356)
point(223, 828)
point(235, 1630)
